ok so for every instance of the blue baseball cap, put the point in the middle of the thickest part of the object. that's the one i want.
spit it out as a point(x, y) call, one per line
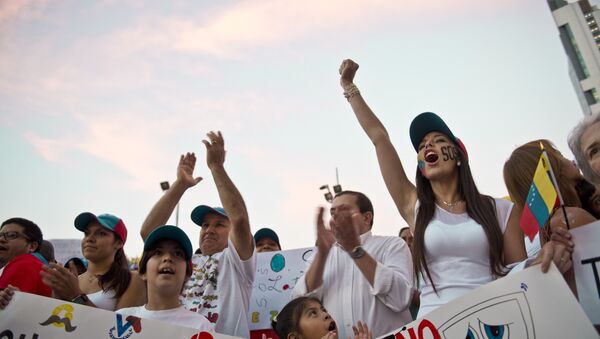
point(169, 232)
point(428, 122)
point(266, 233)
point(201, 211)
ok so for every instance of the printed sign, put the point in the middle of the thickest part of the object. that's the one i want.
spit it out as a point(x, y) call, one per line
point(586, 261)
point(33, 316)
point(524, 305)
point(276, 275)
point(65, 249)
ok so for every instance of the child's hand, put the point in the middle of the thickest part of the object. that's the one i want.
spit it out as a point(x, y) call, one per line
point(361, 331)
point(330, 335)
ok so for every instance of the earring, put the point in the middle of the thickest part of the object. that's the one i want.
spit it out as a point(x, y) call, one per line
point(458, 163)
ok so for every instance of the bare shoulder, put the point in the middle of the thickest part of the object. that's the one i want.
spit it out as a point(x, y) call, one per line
point(577, 217)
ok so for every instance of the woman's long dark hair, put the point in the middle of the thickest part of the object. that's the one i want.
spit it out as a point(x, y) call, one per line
point(481, 208)
point(118, 276)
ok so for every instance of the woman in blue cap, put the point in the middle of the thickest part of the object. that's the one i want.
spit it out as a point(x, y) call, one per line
point(462, 239)
point(107, 282)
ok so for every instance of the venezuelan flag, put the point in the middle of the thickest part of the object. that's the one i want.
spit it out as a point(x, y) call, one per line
point(541, 199)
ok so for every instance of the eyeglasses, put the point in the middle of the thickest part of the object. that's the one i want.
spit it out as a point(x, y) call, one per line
point(13, 235)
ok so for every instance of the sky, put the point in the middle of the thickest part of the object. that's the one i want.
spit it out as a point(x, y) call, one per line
point(99, 98)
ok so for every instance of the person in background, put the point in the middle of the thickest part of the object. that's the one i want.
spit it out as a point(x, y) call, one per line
point(46, 253)
point(20, 241)
point(353, 269)
point(165, 266)
point(107, 283)
point(589, 195)
point(223, 274)
point(519, 170)
point(76, 265)
point(584, 141)
point(407, 236)
point(266, 240)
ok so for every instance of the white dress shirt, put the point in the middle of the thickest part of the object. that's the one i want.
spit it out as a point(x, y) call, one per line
point(349, 297)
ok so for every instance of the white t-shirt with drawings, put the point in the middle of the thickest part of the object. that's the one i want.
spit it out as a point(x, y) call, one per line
point(220, 289)
point(176, 316)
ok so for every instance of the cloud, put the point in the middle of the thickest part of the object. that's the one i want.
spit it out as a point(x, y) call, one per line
point(232, 30)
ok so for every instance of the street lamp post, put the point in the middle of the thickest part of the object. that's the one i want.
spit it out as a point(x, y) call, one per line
point(165, 187)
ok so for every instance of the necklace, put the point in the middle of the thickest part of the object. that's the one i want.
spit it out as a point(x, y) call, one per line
point(451, 205)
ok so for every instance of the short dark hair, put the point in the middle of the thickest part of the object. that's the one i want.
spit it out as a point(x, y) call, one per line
point(363, 202)
point(150, 253)
point(30, 229)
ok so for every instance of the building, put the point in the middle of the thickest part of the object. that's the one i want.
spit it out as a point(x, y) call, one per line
point(577, 23)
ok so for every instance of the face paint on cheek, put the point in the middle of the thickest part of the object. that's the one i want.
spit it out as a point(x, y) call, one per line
point(421, 163)
point(449, 153)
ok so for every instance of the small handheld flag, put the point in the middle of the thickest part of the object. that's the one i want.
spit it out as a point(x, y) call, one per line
point(542, 198)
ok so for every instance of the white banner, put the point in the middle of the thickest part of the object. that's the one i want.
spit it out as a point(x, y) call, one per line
point(34, 317)
point(586, 261)
point(276, 276)
point(525, 305)
point(65, 249)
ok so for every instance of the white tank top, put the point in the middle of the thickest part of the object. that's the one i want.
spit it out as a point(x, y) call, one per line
point(457, 254)
point(104, 300)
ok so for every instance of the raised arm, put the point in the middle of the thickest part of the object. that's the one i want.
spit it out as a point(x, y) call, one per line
point(231, 199)
point(163, 209)
point(403, 192)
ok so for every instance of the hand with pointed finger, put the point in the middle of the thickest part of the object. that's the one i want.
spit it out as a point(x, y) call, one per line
point(6, 296)
point(185, 170)
point(215, 149)
point(348, 70)
point(64, 284)
point(361, 331)
point(325, 238)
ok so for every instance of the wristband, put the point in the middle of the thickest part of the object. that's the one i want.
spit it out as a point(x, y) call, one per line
point(81, 299)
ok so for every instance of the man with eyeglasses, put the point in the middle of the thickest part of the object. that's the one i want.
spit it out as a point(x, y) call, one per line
point(20, 241)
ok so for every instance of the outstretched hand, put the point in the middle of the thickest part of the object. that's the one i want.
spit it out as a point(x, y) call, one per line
point(361, 331)
point(63, 283)
point(215, 149)
point(348, 70)
point(325, 238)
point(185, 170)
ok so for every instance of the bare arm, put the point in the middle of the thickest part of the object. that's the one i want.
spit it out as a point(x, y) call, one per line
point(403, 192)
point(232, 200)
point(135, 295)
point(163, 209)
point(514, 245)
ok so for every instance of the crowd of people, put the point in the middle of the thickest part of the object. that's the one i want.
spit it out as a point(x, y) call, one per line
point(358, 284)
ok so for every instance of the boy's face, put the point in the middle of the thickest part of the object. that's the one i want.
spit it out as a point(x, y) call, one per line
point(166, 268)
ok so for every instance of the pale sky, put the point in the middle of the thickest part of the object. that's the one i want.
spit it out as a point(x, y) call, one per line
point(99, 98)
